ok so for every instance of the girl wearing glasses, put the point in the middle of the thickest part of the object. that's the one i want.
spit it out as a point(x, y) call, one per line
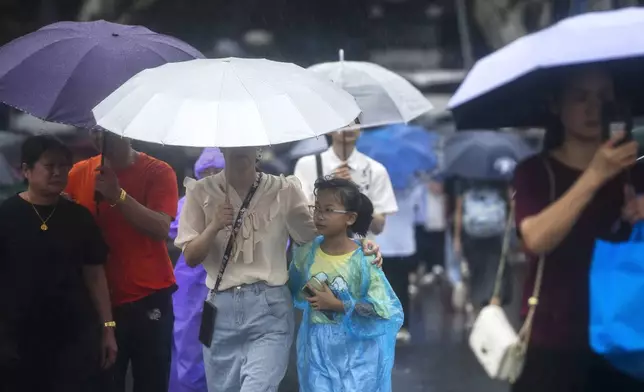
point(347, 338)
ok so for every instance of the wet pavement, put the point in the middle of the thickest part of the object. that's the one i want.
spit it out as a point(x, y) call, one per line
point(438, 358)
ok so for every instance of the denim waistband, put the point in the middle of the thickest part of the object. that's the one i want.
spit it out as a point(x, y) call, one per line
point(255, 288)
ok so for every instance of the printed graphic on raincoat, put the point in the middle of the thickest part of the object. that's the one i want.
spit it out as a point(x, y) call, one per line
point(187, 372)
point(350, 351)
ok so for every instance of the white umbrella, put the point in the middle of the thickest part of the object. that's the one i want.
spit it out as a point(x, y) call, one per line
point(384, 97)
point(509, 86)
point(306, 147)
point(225, 103)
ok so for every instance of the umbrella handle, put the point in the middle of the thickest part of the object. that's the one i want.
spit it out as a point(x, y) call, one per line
point(344, 146)
point(97, 196)
point(227, 191)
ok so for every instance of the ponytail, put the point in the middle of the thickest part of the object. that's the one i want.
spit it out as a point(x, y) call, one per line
point(364, 212)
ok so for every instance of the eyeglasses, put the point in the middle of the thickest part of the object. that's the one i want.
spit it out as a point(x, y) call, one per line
point(324, 212)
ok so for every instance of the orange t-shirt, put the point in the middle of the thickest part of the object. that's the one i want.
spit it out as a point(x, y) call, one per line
point(137, 265)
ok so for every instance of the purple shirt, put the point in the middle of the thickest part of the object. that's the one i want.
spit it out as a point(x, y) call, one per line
point(562, 316)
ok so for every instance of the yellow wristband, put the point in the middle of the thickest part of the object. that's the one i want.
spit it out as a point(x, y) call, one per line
point(110, 324)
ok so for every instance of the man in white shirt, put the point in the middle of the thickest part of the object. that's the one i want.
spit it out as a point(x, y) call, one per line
point(344, 161)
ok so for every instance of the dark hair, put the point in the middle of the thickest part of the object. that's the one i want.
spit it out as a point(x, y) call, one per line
point(34, 147)
point(555, 132)
point(353, 200)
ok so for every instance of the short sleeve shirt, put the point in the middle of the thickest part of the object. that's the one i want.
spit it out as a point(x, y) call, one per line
point(137, 265)
point(562, 316)
point(370, 175)
point(398, 238)
point(43, 285)
point(278, 209)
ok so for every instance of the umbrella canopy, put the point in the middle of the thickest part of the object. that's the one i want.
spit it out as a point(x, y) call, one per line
point(306, 147)
point(410, 133)
point(404, 151)
point(60, 72)
point(27, 123)
point(484, 155)
point(226, 103)
point(510, 87)
point(383, 96)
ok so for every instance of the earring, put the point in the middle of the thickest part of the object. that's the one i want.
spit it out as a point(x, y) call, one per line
point(259, 154)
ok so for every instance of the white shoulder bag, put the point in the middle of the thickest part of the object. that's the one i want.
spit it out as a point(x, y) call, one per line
point(500, 350)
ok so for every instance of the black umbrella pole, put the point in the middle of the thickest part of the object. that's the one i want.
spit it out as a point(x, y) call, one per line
point(344, 146)
point(97, 196)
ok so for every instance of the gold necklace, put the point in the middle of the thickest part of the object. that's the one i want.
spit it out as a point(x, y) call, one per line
point(44, 226)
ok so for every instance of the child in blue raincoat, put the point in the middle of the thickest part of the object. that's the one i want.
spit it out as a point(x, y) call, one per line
point(347, 338)
point(187, 370)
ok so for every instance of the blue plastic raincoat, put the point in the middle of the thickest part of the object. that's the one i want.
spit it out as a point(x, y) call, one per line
point(187, 371)
point(350, 351)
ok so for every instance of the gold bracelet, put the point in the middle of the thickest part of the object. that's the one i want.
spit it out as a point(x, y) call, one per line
point(121, 198)
point(110, 324)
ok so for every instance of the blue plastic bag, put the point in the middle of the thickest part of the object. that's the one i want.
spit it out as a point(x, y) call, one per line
point(616, 294)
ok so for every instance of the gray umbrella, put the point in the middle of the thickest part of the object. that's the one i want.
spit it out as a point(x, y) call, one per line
point(484, 155)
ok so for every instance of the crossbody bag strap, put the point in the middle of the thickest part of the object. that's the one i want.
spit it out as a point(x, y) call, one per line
point(236, 226)
point(498, 282)
point(533, 301)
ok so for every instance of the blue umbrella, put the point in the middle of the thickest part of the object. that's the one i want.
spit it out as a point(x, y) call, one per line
point(404, 151)
point(60, 72)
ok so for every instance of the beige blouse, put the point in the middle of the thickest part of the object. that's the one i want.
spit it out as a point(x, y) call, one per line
point(278, 209)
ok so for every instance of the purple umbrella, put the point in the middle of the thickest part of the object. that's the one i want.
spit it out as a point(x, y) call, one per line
point(60, 72)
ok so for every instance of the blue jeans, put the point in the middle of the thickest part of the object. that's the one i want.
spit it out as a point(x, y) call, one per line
point(252, 339)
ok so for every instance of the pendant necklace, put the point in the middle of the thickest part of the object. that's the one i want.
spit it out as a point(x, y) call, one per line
point(43, 226)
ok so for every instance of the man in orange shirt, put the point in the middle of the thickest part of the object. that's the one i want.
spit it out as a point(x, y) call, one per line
point(138, 199)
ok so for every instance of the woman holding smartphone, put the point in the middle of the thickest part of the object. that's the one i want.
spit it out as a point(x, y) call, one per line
point(595, 181)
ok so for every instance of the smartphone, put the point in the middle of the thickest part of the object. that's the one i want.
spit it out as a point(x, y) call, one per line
point(313, 282)
point(615, 119)
point(307, 292)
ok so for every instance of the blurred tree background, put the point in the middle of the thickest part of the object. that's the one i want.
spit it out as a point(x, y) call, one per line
point(404, 35)
point(309, 31)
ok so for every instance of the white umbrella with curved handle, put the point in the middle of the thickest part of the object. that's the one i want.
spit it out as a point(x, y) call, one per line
point(226, 103)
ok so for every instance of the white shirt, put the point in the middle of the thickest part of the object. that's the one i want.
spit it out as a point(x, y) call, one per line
point(435, 211)
point(370, 175)
point(398, 239)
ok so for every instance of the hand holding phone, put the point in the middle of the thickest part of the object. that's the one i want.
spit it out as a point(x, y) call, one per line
point(616, 119)
point(313, 283)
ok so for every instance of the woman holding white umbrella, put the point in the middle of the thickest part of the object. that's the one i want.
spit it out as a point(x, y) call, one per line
point(236, 223)
point(579, 190)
